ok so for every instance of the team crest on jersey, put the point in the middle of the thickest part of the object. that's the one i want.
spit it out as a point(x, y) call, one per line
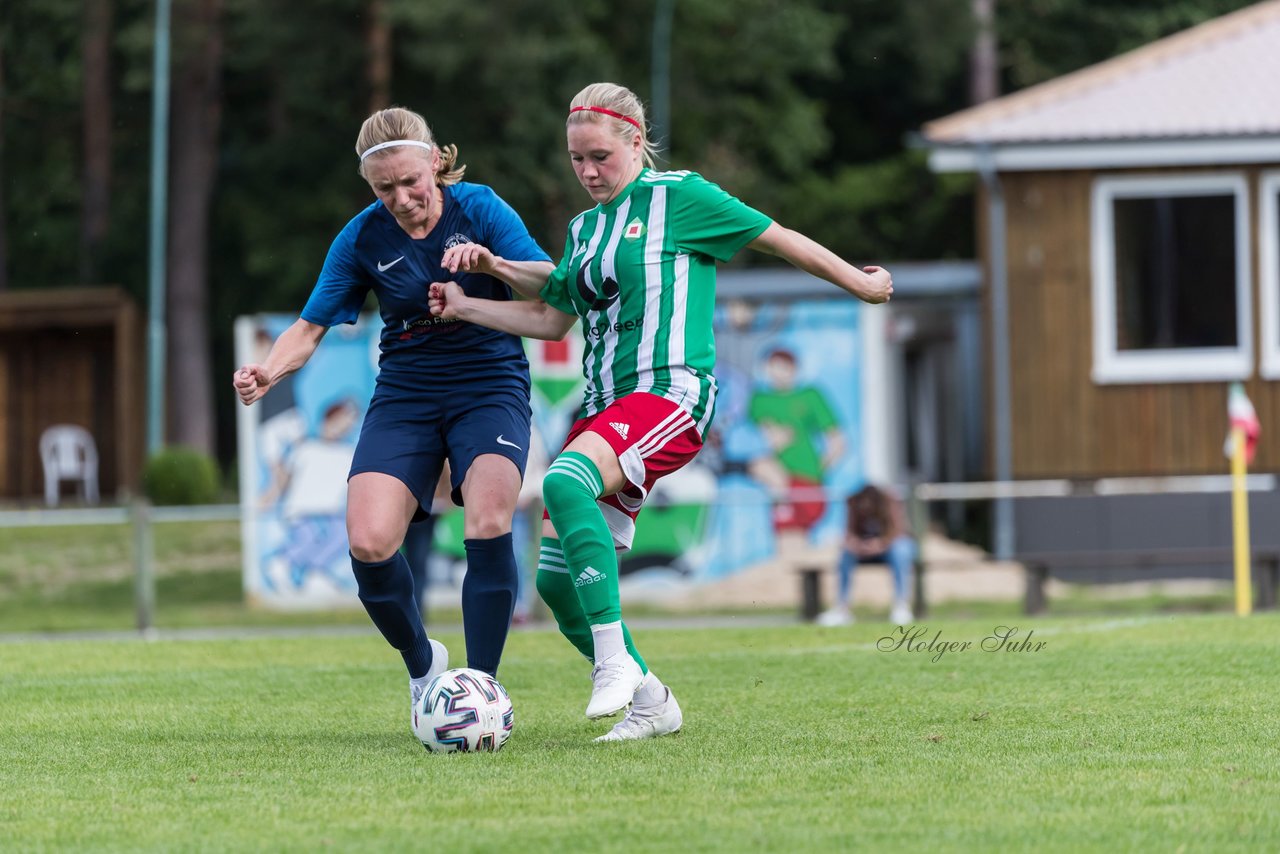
point(456, 240)
point(635, 228)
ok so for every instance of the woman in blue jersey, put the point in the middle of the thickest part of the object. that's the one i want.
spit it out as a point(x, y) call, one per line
point(446, 390)
point(639, 270)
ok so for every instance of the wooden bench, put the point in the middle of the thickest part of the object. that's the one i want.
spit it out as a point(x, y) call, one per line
point(811, 588)
point(1039, 566)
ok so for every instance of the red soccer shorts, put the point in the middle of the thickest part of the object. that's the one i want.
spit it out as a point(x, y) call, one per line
point(652, 437)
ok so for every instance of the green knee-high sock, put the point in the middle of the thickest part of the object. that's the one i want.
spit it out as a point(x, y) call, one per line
point(556, 589)
point(571, 488)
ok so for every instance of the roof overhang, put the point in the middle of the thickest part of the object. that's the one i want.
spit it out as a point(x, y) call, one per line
point(1104, 154)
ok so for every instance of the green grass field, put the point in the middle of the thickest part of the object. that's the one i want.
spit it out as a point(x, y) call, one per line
point(1144, 733)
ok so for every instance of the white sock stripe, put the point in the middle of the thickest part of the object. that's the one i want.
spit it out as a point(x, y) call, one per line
point(578, 465)
point(579, 472)
point(575, 466)
point(545, 567)
point(584, 476)
point(583, 479)
point(591, 474)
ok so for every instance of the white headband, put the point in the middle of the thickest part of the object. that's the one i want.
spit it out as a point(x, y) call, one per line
point(371, 149)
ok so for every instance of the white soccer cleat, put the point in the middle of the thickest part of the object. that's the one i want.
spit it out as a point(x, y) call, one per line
point(439, 661)
point(647, 721)
point(613, 683)
point(439, 664)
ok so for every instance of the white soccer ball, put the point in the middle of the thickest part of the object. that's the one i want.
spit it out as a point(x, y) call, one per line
point(463, 710)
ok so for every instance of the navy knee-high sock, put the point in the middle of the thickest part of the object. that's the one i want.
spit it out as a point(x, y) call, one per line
point(386, 591)
point(488, 600)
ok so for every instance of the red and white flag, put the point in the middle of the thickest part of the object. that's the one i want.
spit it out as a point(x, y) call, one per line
point(1240, 413)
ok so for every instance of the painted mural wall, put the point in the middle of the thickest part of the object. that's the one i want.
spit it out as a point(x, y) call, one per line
point(787, 445)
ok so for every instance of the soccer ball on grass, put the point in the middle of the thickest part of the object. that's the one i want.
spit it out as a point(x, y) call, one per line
point(462, 711)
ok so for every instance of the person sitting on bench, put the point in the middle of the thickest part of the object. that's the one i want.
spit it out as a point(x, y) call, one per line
point(877, 532)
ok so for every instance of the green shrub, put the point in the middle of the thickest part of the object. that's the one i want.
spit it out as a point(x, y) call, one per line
point(181, 476)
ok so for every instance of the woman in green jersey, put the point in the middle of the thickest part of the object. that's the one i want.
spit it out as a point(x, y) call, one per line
point(639, 270)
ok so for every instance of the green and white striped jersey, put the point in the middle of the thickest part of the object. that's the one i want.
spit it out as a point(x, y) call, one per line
point(641, 273)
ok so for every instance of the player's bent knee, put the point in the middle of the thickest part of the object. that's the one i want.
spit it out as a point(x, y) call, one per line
point(562, 491)
point(486, 526)
point(556, 491)
point(373, 546)
point(370, 555)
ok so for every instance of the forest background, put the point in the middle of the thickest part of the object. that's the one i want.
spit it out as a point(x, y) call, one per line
point(806, 109)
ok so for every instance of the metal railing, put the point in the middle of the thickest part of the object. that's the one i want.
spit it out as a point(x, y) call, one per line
point(141, 516)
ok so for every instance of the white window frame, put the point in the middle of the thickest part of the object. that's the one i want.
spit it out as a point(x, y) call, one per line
point(1110, 364)
point(1269, 264)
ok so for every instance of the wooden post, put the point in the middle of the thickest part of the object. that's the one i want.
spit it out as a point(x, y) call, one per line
point(1268, 579)
point(810, 593)
point(1037, 575)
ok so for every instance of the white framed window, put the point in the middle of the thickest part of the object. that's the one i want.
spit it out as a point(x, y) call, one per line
point(1171, 278)
point(1269, 266)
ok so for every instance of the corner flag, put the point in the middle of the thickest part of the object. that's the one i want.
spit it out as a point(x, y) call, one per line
point(1240, 413)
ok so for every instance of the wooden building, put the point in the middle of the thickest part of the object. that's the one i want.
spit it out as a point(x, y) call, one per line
point(70, 356)
point(1130, 227)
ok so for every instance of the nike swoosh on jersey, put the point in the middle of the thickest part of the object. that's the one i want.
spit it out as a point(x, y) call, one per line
point(502, 441)
point(382, 268)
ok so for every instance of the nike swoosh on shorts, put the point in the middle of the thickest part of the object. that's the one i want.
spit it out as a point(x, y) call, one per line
point(502, 441)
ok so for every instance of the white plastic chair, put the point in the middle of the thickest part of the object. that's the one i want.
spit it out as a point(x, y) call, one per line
point(69, 453)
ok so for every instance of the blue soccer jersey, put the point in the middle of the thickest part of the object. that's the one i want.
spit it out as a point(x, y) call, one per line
point(420, 352)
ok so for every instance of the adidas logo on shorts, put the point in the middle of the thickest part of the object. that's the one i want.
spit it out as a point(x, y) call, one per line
point(621, 427)
point(588, 576)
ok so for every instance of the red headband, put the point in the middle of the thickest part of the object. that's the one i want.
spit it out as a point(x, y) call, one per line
point(626, 119)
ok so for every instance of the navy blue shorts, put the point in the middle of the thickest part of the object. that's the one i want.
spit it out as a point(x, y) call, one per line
point(410, 439)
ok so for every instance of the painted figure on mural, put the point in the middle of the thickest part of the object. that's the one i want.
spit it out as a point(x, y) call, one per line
point(312, 493)
point(804, 437)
